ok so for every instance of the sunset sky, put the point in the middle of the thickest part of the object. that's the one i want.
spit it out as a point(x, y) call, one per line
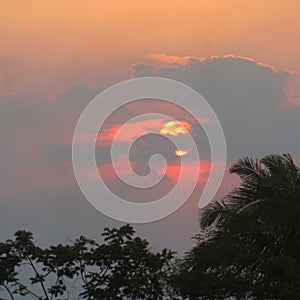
point(56, 56)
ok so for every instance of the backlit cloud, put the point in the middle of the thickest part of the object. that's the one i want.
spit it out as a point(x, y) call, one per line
point(244, 93)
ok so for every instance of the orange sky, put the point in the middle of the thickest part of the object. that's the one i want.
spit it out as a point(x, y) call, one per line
point(57, 55)
point(44, 45)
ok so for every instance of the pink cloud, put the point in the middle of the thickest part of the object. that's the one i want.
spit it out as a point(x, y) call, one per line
point(292, 90)
point(173, 171)
point(127, 133)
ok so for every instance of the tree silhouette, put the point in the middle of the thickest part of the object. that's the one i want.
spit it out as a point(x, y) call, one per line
point(121, 267)
point(249, 245)
point(248, 248)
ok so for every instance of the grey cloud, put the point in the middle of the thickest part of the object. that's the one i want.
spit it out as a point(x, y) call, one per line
point(246, 97)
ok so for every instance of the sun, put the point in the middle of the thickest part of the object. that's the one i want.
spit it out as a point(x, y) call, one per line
point(175, 128)
point(181, 152)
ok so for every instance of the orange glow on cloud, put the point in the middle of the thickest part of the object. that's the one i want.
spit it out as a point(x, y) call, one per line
point(128, 132)
point(173, 171)
point(168, 60)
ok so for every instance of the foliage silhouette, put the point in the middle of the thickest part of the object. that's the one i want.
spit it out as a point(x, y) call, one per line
point(121, 267)
point(248, 248)
point(249, 244)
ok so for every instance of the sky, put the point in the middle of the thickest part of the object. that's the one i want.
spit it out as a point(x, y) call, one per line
point(55, 57)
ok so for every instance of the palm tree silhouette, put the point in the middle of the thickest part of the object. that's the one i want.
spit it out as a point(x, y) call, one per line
point(268, 198)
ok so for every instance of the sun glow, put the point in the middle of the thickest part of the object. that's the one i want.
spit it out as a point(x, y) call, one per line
point(180, 152)
point(175, 128)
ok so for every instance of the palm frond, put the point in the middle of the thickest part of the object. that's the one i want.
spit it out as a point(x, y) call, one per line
point(213, 213)
point(249, 170)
